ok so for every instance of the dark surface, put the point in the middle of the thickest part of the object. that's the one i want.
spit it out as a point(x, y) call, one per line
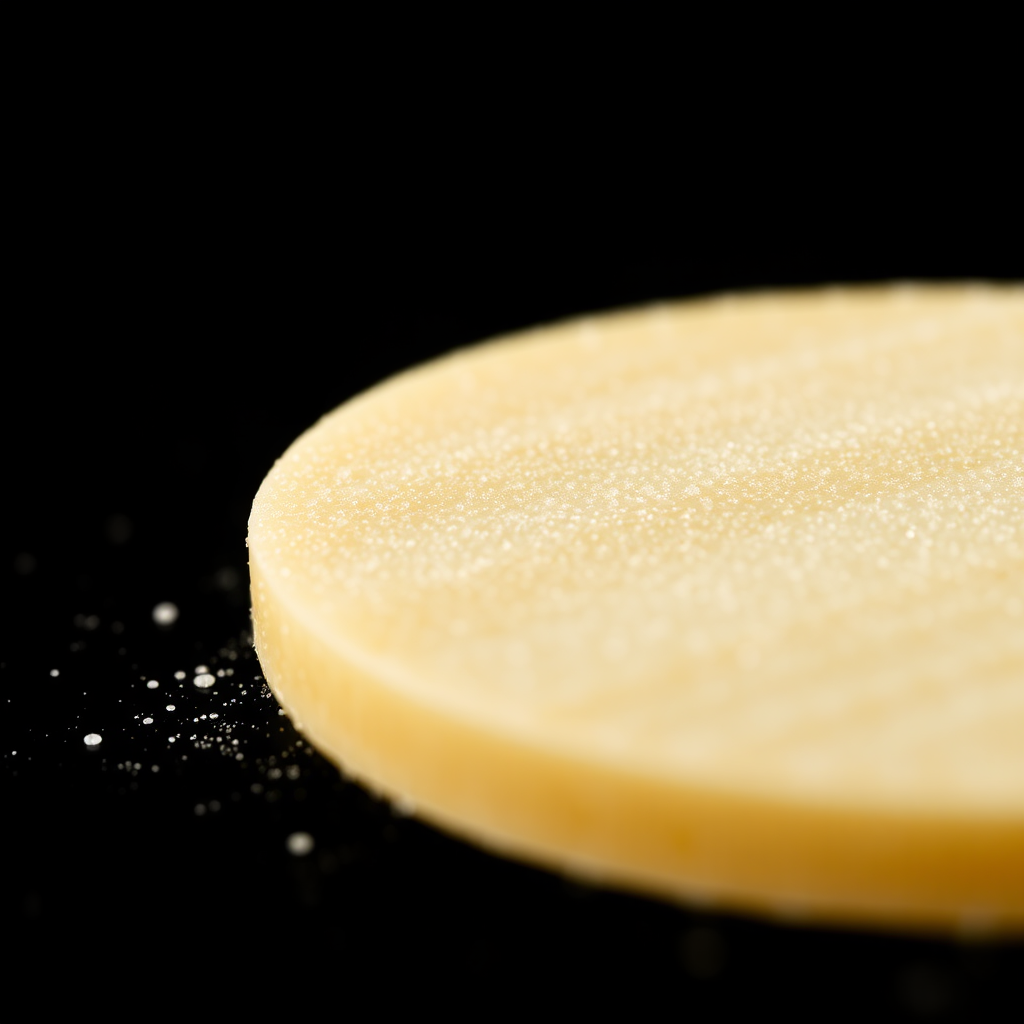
point(181, 316)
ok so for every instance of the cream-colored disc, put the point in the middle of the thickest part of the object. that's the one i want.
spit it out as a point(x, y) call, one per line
point(722, 600)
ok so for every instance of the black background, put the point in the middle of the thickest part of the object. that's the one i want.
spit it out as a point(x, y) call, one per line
point(201, 272)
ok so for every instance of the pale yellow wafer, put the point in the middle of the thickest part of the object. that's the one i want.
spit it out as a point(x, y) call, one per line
point(722, 600)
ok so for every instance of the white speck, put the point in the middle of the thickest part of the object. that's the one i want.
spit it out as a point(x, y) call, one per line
point(93, 739)
point(54, 672)
point(155, 768)
point(152, 684)
point(179, 674)
point(200, 669)
point(299, 844)
point(170, 707)
point(147, 721)
point(204, 680)
point(214, 715)
point(170, 739)
point(165, 613)
point(200, 810)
